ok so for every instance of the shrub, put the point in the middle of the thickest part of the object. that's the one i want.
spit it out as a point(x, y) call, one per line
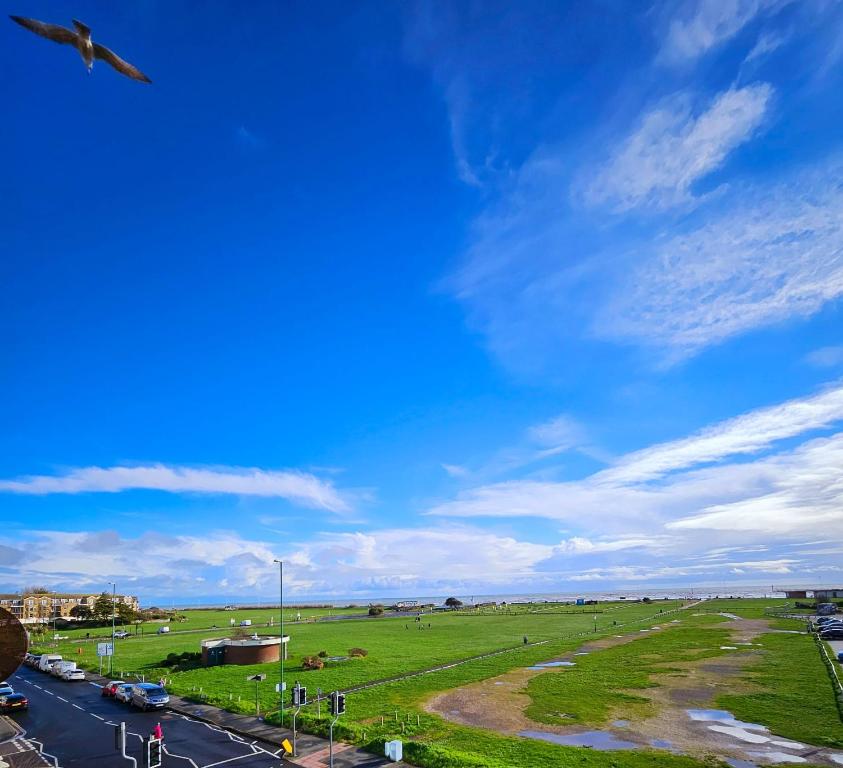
point(357, 652)
point(376, 610)
point(322, 654)
point(312, 662)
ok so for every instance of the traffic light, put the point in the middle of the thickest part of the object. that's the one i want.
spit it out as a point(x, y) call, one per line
point(299, 696)
point(337, 703)
point(153, 753)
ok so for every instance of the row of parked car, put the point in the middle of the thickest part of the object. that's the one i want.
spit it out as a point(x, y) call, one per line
point(829, 627)
point(56, 666)
point(142, 695)
point(10, 701)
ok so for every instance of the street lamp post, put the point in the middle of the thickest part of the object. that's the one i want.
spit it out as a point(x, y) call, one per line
point(113, 617)
point(282, 649)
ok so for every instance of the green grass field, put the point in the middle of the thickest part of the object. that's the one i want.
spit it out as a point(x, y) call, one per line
point(603, 683)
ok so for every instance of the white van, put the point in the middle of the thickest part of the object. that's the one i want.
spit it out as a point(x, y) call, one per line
point(60, 667)
point(47, 661)
point(246, 623)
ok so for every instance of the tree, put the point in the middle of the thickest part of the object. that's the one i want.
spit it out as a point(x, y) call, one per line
point(35, 591)
point(103, 607)
point(125, 614)
point(82, 612)
point(376, 610)
point(453, 602)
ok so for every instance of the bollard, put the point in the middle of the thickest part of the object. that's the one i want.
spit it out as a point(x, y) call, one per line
point(381, 719)
point(418, 719)
point(402, 727)
point(396, 715)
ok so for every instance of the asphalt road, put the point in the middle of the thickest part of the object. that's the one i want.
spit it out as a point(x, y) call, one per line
point(71, 724)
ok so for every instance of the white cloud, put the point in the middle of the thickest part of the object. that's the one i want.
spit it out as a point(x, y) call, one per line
point(298, 487)
point(825, 357)
point(455, 470)
point(562, 432)
point(771, 255)
point(767, 43)
point(672, 148)
point(670, 497)
point(744, 434)
point(705, 24)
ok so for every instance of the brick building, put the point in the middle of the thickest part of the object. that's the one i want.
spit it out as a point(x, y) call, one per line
point(252, 650)
point(46, 606)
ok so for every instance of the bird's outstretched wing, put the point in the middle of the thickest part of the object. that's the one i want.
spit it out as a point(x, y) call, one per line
point(101, 52)
point(54, 32)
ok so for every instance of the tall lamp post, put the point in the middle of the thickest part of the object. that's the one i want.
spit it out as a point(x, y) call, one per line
point(281, 603)
point(113, 617)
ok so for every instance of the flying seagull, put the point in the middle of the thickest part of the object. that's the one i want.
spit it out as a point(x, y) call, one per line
point(81, 40)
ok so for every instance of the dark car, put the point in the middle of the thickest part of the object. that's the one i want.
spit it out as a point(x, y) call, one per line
point(14, 702)
point(832, 634)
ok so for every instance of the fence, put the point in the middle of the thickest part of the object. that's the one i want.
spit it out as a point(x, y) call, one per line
point(832, 673)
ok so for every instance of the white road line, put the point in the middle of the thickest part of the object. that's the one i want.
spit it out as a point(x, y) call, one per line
point(96, 685)
point(179, 757)
point(49, 693)
point(38, 686)
point(78, 707)
point(96, 716)
point(61, 698)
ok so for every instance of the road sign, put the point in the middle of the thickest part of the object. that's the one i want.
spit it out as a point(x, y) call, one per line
point(280, 687)
point(105, 649)
point(288, 748)
point(256, 678)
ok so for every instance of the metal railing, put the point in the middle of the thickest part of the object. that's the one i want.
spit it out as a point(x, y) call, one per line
point(831, 666)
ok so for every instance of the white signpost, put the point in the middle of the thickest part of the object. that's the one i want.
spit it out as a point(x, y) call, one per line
point(104, 649)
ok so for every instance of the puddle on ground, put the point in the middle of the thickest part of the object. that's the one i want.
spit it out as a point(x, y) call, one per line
point(337, 658)
point(728, 648)
point(620, 723)
point(735, 762)
point(549, 664)
point(664, 744)
point(581, 653)
point(766, 746)
point(601, 740)
point(778, 757)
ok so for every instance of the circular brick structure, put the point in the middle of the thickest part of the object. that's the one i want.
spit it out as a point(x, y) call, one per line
point(227, 650)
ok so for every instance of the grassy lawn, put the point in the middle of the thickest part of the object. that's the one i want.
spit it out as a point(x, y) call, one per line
point(395, 646)
point(795, 697)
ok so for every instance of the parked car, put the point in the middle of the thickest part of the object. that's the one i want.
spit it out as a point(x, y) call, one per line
point(123, 692)
point(827, 619)
point(163, 630)
point(33, 659)
point(149, 696)
point(14, 702)
point(122, 634)
point(110, 688)
point(6, 689)
point(73, 675)
point(47, 661)
point(60, 667)
point(832, 634)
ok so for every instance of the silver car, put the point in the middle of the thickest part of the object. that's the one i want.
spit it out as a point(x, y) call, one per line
point(124, 692)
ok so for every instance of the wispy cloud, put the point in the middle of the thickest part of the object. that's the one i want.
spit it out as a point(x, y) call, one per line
point(769, 255)
point(455, 470)
point(298, 487)
point(704, 24)
point(672, 148)
point(746, 434)
point(676, 486)
point(825, 357)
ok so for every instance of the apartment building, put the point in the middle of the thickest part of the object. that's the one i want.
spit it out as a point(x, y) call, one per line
point(34, 608)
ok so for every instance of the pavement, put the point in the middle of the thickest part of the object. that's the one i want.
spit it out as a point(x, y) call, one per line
point(837, 645)
point(70, 725)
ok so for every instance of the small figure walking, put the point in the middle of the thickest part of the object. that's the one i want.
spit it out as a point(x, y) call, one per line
point(158, 732)
point(162, 682)
point(525, 640)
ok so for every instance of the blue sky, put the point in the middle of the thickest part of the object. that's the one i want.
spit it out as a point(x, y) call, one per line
point(423, 298)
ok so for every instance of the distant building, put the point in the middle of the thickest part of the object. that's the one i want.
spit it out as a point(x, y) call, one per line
point(821, 594)
point(45, 606)
point(250, 650)
point(407, 605)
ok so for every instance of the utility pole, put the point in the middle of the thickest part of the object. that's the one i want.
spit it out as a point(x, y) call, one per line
point(113, 618)
point(282, 686)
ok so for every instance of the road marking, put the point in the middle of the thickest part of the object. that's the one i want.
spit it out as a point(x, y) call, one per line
point(96, 685)
point(61, 698)
point(179, 757)
point(96, 716)
point(49, 693)
point(78, 707)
